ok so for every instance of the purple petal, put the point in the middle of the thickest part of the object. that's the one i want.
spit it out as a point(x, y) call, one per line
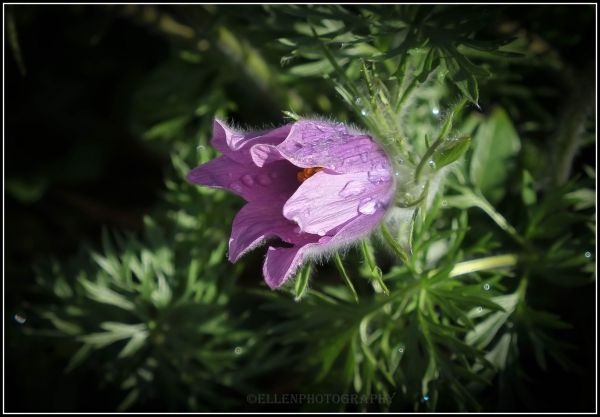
point(276, 181)
point(326, 201)
point(256, 222)
point(263, 154)
point(331, 145)
point(236, 145)
point(223, 135)
point(281, 264)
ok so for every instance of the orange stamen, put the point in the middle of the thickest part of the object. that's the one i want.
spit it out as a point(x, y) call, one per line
point(306, 173)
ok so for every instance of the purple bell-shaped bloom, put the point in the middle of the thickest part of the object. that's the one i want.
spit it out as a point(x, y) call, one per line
point(315, 185)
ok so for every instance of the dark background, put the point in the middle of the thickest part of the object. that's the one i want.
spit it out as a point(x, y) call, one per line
point(74, 164)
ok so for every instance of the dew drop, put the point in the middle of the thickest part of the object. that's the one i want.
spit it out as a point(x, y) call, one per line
point(435, 111)
point(444, 203)
point(425, 397)
point(364, 112)
point(351, 188)
point(264, 179)
point(401, 349)
point(248, 180)
point(200, 147)
point(238, 350)
point(587, 255)
point(322, 232)
point(431, 163)
point(479, 309)
point(367, 206)
point(20, 318)
point(486, 287)
point(376, 177)
point(236, 186)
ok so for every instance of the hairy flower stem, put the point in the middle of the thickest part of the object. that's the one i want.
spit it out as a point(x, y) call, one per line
point(443, 133)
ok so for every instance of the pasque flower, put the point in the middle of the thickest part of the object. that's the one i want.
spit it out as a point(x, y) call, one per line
point(311, 186)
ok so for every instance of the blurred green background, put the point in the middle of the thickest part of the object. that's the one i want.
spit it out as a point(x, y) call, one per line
point(98, 97)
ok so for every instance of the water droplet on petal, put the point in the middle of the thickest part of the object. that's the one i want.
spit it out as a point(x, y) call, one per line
point(264, 179)
point(322, 232)
point(377, 177)
point(248, 180)
point(351, 188)
point(236, 186)
point(367, 206)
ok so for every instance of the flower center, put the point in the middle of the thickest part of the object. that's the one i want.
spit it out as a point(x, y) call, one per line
point(306, 173)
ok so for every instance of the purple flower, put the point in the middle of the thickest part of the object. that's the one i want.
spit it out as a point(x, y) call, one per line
point(315, 185)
